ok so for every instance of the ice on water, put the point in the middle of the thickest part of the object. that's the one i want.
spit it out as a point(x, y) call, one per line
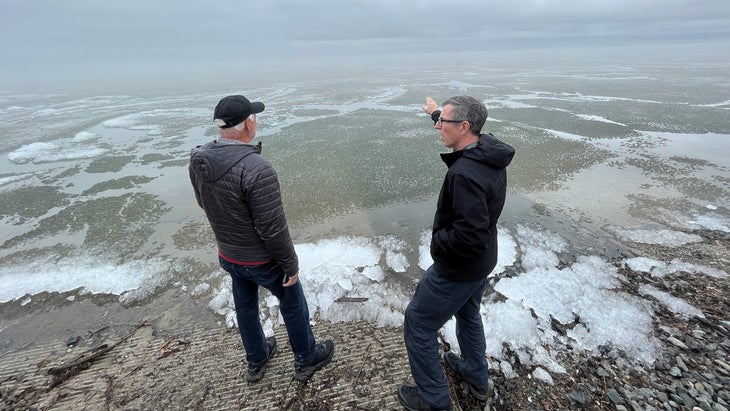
point(13, 178)
point(132, 280)
point(49, 152)
point(82, 136)
point(544, 300)
point(673, 304)
point(660, 269)
point(343, 280)
point(597, 118)
point(584, 297)
point(660, 236)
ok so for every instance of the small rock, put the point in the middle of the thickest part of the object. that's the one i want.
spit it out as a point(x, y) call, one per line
point(687, 400)
point(580, 396)
point(709, 375)
point(705, 403)
point(614, 396)
point(681, 364)
point(73, 341)
point(723, 364)
point(677, 343)
point(640, 394)
point(636, 406)
point(698, 333)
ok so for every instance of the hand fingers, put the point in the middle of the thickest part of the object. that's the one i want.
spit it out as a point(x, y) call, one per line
point(292, 280)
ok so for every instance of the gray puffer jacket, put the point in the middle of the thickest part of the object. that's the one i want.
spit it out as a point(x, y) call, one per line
point(239, 192)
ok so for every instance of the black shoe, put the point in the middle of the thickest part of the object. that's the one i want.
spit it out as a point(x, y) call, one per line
point(255, 374)
point(321, 357)
point(453, 361)
point(411, 400)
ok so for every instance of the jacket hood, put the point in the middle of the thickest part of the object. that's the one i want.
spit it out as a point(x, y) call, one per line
point(213, 160)
point(489, 150)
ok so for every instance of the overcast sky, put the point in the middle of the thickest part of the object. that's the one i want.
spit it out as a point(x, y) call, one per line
point(63, 35)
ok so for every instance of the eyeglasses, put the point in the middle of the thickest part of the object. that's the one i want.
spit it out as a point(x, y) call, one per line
point(443, 120)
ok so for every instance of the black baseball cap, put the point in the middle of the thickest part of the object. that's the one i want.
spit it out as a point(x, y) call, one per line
point(232, 110)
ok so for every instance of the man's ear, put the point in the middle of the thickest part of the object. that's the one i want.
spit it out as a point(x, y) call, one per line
point(248, 125)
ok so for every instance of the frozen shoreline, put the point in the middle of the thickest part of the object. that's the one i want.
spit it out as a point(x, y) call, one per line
point(686, 344)
point(99, 223)
point(539, 281)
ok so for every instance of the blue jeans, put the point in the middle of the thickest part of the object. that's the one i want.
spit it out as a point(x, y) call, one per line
point(434, 302)
point(292, 303)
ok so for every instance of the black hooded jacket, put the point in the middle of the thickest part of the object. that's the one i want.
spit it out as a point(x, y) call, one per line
point(239, 192)
point(464, 242)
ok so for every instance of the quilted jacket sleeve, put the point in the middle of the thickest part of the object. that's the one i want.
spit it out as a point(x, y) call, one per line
point(195, 185)
point(267, 210)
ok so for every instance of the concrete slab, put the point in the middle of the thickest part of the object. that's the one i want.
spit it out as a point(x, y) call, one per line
point(202, 369)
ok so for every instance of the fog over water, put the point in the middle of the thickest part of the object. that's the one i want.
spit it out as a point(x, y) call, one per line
point(95, 198)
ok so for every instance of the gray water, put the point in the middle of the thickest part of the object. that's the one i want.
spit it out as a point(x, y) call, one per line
point(97, 184)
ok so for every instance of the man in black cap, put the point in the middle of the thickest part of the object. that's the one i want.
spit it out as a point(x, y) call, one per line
point(239, 192)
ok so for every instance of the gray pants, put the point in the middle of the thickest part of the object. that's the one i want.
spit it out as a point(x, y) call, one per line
point(435, 301)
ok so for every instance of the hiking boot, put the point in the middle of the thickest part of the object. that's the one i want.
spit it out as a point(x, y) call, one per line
point(321, 357)
point(453, 361)
point(411, 399)
point(255, 374)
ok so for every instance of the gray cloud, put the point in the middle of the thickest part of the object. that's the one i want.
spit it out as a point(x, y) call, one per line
point(74, 34)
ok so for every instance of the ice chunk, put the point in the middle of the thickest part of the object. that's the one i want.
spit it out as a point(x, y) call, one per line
point(394, 257)
point(677, 265)
point(666, 237)
point(676, 305)
point(539, 247)
point(647, 265)
point(540, 374)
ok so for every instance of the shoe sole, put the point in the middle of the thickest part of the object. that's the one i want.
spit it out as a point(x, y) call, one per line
point(304, 376)
point(403, 402)
point(263, 370)
point(473, 392)
point(466, 384)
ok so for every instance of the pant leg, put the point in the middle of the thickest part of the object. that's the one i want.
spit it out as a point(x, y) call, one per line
point(295, 311)
point(293, 307)
point(246, 301)
point(433, 303)
point(472, 341)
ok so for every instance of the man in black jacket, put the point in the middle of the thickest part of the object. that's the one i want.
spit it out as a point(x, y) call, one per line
point(239, 192)
point(464, 251)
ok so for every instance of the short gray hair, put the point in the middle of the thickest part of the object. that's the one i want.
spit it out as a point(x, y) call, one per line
point(470, 109)
point(231, 132)
point(240, 125)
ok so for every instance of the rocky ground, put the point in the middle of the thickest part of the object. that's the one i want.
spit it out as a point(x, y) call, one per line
point(694, 371)
point(156, 365)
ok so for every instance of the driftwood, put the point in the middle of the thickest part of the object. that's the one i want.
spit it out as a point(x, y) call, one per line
point(351, 300)
point(171, 346)
point(84, 360)
point(362, 366)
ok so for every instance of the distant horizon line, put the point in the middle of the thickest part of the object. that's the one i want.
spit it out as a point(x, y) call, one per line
point(79, 75)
